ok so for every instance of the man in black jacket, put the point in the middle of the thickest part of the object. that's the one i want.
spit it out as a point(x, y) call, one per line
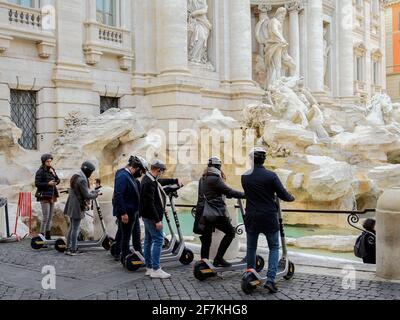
point(213, 189)
point(126, 206)
point(152, 208)
point(261, 187)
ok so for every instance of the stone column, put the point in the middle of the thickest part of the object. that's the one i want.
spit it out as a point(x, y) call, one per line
point(172, 39)
point(91, 10)
point(315, 47)
point(346, 50)
point(294, 8)
point(240, 42)
point(388, 235)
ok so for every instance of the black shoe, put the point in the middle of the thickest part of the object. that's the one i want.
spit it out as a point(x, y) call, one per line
point(271, 287)
point(220, 262)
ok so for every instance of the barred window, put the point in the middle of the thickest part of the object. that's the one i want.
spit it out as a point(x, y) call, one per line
point(23, 114)
point(108, 103)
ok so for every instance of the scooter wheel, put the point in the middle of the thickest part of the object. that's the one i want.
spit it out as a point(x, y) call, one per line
point(107, 243)
point(186, 257)
point(260, 263)
point(197, 271)
point(133, 262)
point(113, 249)
point(37, 243)
point(60, 245)
point(247, 280)
point(291, 271)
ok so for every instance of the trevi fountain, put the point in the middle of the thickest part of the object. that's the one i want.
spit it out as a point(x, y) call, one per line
point(330, 155)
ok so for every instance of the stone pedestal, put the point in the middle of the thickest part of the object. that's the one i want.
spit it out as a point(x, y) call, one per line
point(233, 250)
point(388, 235)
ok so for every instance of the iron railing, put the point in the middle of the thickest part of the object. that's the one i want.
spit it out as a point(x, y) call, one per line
point(352, 219)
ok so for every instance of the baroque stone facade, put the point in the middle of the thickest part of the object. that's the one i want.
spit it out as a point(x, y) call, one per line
point(177, 59)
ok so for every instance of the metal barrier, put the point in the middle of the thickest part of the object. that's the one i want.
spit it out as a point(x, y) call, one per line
point(4, 203)
point(352, 219)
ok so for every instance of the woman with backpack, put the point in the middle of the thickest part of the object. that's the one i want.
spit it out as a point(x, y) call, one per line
point(365, 247)
point(46, 181)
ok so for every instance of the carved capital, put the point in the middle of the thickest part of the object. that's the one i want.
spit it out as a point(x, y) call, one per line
point(264, 8)
point(295, 5)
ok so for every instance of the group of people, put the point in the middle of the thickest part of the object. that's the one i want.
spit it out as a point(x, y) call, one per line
point(261, 187)
point(146, 199)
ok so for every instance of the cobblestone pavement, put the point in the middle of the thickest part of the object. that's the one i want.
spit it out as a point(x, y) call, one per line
point(95, 276)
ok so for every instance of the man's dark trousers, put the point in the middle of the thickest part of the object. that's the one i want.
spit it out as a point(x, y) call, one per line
point(125, 233)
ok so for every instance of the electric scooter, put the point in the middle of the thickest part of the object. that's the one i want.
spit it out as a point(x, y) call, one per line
point(135, 261)
point(105, 241)
point(204, 269)
point(286, 269)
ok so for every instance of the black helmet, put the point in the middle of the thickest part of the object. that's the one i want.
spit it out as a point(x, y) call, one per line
point(88, 168)
point(158, 164)
point(46, 157)
point(215, 162)
point(138, 162)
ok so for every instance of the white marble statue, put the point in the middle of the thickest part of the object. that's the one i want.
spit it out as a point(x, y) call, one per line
point(379, 109)
point(270, 34)
point(199, 29)
point(327, 53)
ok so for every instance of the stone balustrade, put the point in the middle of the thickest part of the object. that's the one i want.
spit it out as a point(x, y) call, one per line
point(29, 17)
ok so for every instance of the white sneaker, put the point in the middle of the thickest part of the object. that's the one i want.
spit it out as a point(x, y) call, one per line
point(160, 274)
point(148, 272)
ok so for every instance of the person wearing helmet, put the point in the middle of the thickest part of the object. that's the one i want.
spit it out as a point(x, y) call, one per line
point(212, 188)
point(126, 206)
point(261, 187)
point(78, 203)
point(46, 181)
point(153, 202)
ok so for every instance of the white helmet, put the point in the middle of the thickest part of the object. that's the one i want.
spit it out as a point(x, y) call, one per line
point(258, 151)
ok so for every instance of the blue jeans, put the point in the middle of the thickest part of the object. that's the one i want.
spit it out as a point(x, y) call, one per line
point(273, 245)
point(153, 243)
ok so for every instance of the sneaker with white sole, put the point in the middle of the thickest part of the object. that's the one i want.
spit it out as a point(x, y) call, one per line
point(148, 272)
point(160, 274)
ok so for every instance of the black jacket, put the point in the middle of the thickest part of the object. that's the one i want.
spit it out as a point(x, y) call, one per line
point(44, 190)
point(152, 199)
point(213, 187)
point(261, 187)
point(126, 194)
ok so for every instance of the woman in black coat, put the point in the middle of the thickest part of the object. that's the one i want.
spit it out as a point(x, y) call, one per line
point(46, 181)
point(212, 188)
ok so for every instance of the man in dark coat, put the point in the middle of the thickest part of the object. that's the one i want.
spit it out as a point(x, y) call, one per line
point(212, 188)
point(261, 187)
point(152, 208)
point(78, 204)
point(126, 206)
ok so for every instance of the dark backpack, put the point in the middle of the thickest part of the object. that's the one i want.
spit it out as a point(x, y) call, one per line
point(359, 247)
